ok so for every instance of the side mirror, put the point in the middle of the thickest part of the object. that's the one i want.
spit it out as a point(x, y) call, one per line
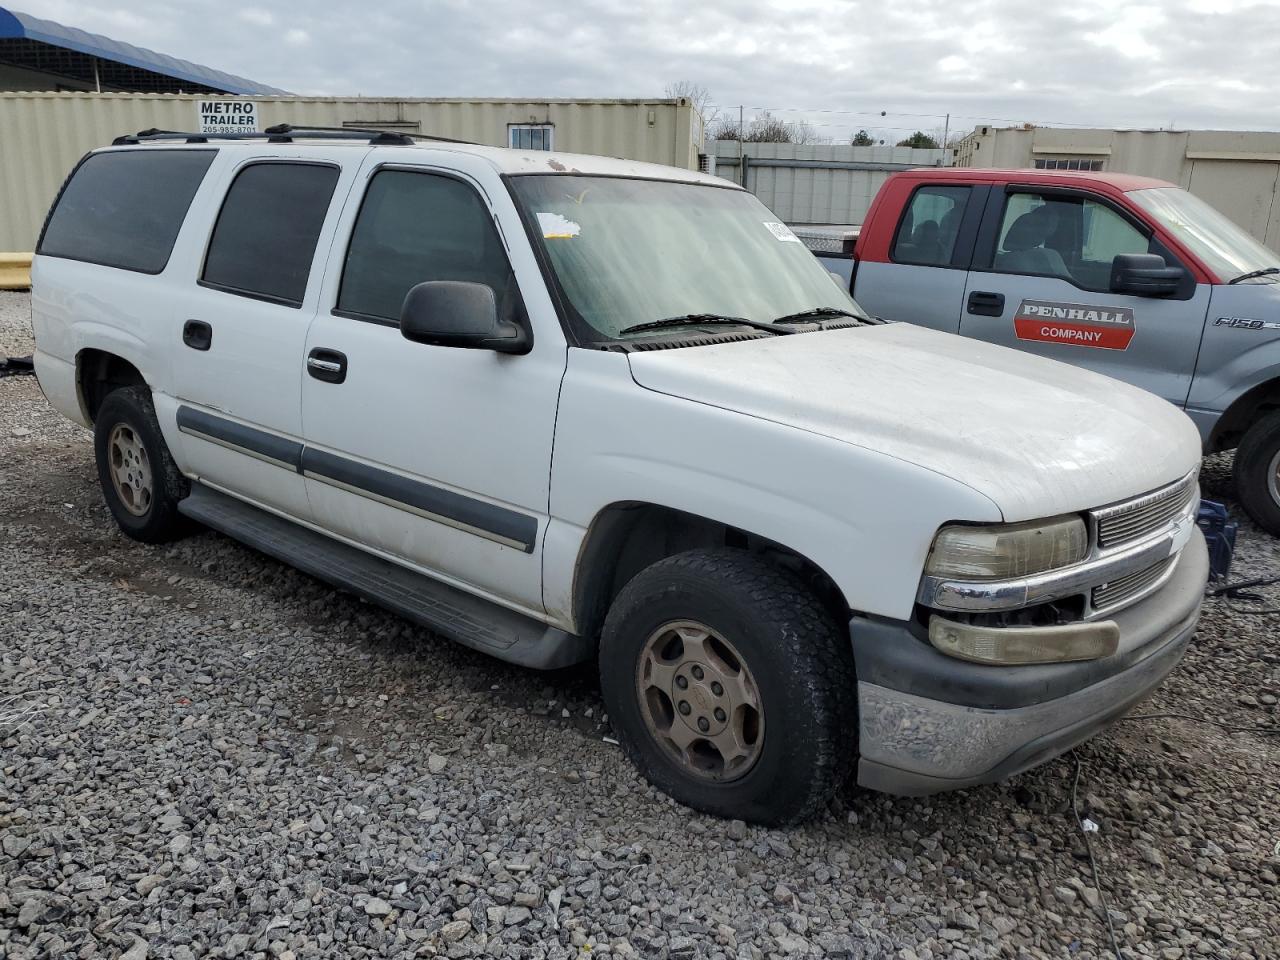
point(1144, 275)
point(455, 313)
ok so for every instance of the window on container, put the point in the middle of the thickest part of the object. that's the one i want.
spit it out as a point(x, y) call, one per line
point(265, 238)
point(1068, 163)
point(415, 227)
point(124, 208)
point(530, 136)
point(929, 227)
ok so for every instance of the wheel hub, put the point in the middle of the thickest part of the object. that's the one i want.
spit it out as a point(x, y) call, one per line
point(130, 469)
point(700, 701)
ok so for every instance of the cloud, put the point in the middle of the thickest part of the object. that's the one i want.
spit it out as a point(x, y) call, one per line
point(835, 64)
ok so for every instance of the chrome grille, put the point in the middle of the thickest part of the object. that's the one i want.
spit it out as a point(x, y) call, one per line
point(1125, 588)
point(1127, 522)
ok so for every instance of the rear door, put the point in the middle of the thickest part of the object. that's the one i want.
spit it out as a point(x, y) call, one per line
point(1040, 283)
point(919, 277)
point(240, 323)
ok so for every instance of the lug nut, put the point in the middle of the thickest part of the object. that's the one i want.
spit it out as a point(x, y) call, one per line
point(684, 708)
point(720, 715)
point(682, 682)
point(703, 725)
point(697, 673)
point(716, 688)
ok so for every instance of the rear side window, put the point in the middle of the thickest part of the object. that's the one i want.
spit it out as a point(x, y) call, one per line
point(930, 225)
point(415, 227)
point(265, 238)
point(124, 208)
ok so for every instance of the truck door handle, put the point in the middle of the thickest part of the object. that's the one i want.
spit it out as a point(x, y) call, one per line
point(197, 335)
point(986, 304)
point(327, 365)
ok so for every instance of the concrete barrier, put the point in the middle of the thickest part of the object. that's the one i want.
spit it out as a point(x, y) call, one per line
point(15, 271)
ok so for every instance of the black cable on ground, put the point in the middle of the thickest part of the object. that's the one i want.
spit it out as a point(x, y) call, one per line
point(1093, 863)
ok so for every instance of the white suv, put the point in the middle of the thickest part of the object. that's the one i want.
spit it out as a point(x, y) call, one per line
point(561, 407)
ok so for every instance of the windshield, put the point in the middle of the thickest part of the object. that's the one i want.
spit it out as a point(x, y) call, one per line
point(1225, 249)
point(628, 252)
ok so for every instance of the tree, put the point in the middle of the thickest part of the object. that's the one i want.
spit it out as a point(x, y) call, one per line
point(920, 141)
point(863, 139)
point(724, 129)
point(696, 94)
point(763, 128)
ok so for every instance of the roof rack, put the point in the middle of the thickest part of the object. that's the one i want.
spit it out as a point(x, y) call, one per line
point(285, 133)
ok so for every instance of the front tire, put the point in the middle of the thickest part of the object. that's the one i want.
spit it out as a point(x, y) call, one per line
point(1257, 473)
point(140, 481)
point(730, 686)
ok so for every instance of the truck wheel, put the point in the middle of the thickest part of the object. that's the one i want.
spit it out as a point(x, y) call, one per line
point(730, 686)
point(140, 482)
point(1257, 473)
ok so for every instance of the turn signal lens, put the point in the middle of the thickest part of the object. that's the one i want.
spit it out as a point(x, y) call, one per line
point(1021, 645)
point(1007, 550)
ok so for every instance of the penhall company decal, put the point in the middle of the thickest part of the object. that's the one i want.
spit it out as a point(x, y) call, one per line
point(1078, 324)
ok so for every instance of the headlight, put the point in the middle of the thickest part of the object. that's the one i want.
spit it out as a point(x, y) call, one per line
point(1007, 550)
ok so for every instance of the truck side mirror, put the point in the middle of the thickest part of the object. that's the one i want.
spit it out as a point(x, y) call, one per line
point(456, 313)
point(1144, 275)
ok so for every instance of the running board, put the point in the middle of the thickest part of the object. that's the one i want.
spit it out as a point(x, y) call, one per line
point(460, 616)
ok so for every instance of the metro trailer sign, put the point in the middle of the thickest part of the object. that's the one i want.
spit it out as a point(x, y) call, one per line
point(1078, 324)
point(227, 116)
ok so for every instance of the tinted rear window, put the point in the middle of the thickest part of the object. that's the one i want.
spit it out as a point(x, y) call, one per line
point(266, 234)
point(124, 208)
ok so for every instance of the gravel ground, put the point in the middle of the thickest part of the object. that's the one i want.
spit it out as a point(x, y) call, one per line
point(220, 757)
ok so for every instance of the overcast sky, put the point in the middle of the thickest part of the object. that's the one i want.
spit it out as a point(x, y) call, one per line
point(1186, 63)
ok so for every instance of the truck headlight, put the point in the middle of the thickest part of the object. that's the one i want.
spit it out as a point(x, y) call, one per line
point(1007, 550)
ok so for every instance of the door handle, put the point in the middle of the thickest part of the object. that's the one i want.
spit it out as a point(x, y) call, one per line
point(986, 304)
point(327, 365)
point(197, 335)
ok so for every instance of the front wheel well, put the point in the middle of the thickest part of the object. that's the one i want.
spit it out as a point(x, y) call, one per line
point(625, 538)
point(1247, 409)
point(98, 373)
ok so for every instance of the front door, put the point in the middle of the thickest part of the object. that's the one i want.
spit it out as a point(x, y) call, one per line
point(438, 457)
point(242, 325)
point(1040, 283)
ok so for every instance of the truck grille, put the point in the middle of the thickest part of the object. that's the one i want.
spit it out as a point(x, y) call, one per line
point(1125, 588)
point(1127, 522)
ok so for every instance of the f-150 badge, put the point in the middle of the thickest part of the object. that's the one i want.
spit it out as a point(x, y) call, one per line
point(1079, 324)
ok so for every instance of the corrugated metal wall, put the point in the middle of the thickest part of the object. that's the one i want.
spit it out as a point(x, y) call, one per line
point(817, 183)
point(42, 135)
point(1236, 171)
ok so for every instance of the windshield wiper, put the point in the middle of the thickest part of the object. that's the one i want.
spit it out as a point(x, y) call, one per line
point(819, 312)
point(1264, 272)
point(701, 319)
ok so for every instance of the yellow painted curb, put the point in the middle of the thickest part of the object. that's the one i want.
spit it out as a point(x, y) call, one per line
point(15, 271)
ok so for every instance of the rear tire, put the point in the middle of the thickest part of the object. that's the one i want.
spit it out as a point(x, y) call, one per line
point(689, 645)
point(140, 482)
point(1257, 473)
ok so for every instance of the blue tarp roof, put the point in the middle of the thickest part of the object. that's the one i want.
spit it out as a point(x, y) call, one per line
point(16, 25)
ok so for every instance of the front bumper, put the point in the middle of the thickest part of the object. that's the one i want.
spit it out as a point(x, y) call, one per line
point(929, 722)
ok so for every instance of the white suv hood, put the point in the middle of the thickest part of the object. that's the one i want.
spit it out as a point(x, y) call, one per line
point(1036, 436)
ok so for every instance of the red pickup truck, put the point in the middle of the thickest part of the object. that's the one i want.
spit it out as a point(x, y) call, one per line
point(1129, 276)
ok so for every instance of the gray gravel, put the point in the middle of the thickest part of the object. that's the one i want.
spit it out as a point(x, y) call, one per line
point(215, 756)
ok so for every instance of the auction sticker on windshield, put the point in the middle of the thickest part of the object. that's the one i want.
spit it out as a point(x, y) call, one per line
point(781, 231)
point(1079, 324)
point(557, 227)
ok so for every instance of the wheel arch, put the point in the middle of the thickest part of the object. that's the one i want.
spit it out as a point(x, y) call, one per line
point(1251, 406)
point(98, 372)
point(625, 537)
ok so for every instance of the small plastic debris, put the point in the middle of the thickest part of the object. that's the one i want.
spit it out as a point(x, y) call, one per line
point(1088, 826)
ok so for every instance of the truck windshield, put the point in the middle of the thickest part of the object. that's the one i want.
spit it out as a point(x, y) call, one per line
point(1225, 249)
point(628, 252)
